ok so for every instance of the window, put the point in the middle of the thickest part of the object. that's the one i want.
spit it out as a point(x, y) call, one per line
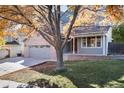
point(47, 46)
point(41, 46)
point(36, 46)
point(91, 41)
point(98, 41)
point(84, 42)
point(88, 42)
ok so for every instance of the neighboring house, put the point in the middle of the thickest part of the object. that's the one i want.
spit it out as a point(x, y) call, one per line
point(14, 48)
point(90, 40)
point(11, 48)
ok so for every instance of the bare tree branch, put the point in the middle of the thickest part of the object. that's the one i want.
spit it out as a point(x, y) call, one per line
point(93, 10)
point(46, 37)
point(43, 9)
point(71, 25)
point(29, 21)
point(66, 11)
point(15, 21)
point(41, 13)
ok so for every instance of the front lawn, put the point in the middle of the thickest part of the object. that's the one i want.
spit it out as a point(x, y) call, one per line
point(79, 74)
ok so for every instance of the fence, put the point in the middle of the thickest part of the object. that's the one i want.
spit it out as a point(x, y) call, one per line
point(115, 48)
point(3, 53)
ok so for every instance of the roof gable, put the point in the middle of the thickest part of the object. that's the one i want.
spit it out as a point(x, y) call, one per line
point(90, 29)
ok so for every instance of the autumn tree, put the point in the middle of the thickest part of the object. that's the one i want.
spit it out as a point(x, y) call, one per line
point(2, 33)
point(45, 20)
point(99, 15)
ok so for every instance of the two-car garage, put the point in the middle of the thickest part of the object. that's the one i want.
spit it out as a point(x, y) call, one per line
point(38, 48)
point(40, 51)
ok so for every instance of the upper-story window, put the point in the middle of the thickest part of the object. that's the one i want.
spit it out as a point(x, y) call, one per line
point(91, 41)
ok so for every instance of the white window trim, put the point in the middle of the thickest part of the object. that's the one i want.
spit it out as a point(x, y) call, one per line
point(100, 41)
point(95, 43)
point(82, 41)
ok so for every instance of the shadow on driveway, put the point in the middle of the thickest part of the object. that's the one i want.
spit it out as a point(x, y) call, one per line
point(13, 64)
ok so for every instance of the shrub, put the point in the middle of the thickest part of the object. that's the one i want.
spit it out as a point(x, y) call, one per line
point(52, 82)
point(43, 83)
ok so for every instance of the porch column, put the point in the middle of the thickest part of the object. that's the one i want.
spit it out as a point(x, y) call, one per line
point(104, 45)
point(74, 45)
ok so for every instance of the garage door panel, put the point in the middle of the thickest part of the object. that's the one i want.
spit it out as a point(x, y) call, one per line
point(40, 52)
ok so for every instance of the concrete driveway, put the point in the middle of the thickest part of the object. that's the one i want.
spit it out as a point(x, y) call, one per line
point(13, 64)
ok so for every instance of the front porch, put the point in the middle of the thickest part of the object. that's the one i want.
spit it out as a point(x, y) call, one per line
point(71, 47)
point(96, 45)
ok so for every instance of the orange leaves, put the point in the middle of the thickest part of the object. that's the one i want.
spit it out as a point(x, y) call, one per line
point(23, 30)
point(6, 33)
point(16, 17)
point(1, 34)
point(95, 7)
point(115, 11)
point(85, 17)
point(3, 23)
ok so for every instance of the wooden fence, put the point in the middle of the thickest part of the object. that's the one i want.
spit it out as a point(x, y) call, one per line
point(115, 48)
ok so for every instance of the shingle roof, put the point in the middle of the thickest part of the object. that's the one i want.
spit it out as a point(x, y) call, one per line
point(90, 29)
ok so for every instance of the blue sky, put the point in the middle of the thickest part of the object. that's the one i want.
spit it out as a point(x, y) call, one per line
point(63, 8)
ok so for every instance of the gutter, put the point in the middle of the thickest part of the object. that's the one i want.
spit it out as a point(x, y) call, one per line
point(88, 34)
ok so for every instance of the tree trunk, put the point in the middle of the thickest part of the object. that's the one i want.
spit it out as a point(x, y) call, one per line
point(60, 62)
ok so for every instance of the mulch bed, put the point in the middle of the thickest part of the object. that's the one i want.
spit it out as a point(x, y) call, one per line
point(43, 67)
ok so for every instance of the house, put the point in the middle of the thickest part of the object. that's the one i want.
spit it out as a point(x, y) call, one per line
point(84, 40)
point(14, 47)
point(90, 40)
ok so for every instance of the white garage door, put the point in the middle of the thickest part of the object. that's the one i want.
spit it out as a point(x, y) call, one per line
point(40, 51)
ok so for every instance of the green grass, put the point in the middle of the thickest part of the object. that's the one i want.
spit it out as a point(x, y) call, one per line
point(82, 74)
point(95, 74)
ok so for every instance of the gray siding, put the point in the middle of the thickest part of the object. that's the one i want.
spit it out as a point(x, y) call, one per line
point(88, 50)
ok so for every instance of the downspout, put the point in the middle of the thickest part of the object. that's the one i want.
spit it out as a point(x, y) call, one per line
point(104, 44)
point(73, 45)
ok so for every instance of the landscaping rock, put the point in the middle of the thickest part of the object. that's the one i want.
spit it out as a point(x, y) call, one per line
point(13, 84)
